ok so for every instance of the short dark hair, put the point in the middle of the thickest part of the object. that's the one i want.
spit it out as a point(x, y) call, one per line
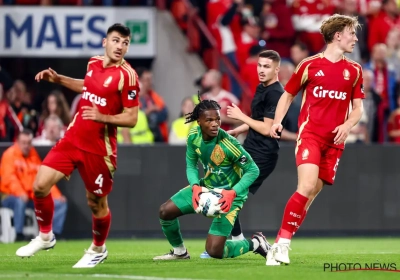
point(141, 70)
point(273, 55)
point(204, 105)
point(303, 47)
point(26, 132)
point(120, 28)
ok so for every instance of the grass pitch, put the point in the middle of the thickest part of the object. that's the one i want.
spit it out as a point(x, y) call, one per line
point(132, 259)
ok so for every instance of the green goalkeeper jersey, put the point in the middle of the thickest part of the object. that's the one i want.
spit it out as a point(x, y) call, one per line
point(226, 164)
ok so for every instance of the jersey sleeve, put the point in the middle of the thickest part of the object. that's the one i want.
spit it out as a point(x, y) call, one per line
point(298, 79)
point(92, 60)
point(130, 87)
point(358, 88)
point(243, 160)
point(271, 104)
point(192, 172)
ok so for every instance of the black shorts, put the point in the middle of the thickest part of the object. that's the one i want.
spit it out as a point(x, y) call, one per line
point(266, 164)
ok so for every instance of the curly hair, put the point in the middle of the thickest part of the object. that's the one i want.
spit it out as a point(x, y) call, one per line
point(204, 105)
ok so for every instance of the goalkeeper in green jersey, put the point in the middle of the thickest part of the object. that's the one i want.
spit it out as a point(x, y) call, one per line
point(228, 168)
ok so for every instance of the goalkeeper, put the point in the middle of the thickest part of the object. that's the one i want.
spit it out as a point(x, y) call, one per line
point(229, 170)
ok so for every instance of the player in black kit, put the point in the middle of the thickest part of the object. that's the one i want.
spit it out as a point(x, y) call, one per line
point(262, 148)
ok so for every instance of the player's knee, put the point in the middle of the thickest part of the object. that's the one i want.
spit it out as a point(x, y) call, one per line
point(164, 213)
point(94, 206)
point(306, 189)
point(215, 252)
point(41, 188)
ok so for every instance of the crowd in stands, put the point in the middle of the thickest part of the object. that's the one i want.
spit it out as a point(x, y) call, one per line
point(242, 28)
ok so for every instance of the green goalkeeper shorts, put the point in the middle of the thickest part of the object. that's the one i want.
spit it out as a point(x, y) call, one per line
point(221, 225)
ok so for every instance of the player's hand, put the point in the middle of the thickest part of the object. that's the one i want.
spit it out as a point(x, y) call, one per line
point(234, 112)
point(92, 113)
point(227, 199)
point(233, 132)
point(48, 75)
point(342, 131)
point(276, 130)
point(197, 191)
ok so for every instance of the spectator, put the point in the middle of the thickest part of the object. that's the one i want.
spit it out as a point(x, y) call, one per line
point(393, 51)
point(180, 130)
point(140, 134)
point(212, 82)
point(277, 26)
point(383, 22)
point(384, 81)
point(298, 52)
point(360, 52)
point(52, 132)
point(19, 166)
point(223, 20)
point(248, 71)
point(9, 123)
point(307, 19)
point(153, 105)
point(371, 103)
point(26, 115)
point(248, 39)
point(394, 124)
point(55, 104)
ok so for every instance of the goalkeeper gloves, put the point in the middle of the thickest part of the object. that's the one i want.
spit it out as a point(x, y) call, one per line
point(197, 191)
point(227, 199)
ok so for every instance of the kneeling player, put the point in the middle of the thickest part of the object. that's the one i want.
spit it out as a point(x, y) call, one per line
point(227, 166)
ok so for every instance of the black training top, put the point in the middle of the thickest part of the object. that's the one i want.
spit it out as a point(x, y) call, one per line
point(263, 106)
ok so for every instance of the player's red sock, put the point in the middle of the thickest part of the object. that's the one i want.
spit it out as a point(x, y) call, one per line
point(101, 227)
point(303, 216)
point(293, 215)
point(44, 209)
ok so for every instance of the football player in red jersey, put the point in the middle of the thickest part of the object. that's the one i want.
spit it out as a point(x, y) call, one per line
point(109, 99)
point(330, 83)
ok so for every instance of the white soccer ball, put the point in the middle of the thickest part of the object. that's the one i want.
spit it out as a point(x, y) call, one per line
point(208, 204)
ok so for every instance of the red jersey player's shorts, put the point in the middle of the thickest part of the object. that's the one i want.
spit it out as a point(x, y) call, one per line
point(96, 171)
point(309, 150)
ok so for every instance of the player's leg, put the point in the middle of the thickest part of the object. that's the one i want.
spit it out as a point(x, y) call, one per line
point(58, 164)
point(266, 166)
point(217, 245)
point(308, 157)
point(180, 204)
point(97, 174)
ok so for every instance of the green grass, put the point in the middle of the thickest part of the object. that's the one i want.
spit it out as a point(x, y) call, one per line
point(131, 259)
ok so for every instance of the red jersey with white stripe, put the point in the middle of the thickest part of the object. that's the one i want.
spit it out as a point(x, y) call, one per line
point(111, 89)
point(328, 89)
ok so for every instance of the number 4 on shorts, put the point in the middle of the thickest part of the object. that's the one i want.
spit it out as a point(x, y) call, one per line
point(99, 180)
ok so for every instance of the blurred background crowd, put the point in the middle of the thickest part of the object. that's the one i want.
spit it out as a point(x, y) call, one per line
point(238, 30)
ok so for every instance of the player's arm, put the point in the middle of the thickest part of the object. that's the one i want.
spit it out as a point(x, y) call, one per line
point(71, 83)
point(293, 86)
point(240, 157)
point(356, 112)
point(342, 131)
point(128, 118)
point(192, 172)
point(238, 130)
point(280, 112)
point(53, 77)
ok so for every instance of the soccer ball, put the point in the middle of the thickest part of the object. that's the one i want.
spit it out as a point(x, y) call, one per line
point(208, 204)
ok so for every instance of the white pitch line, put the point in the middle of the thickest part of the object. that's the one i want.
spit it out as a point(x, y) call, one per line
point(135, 277)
